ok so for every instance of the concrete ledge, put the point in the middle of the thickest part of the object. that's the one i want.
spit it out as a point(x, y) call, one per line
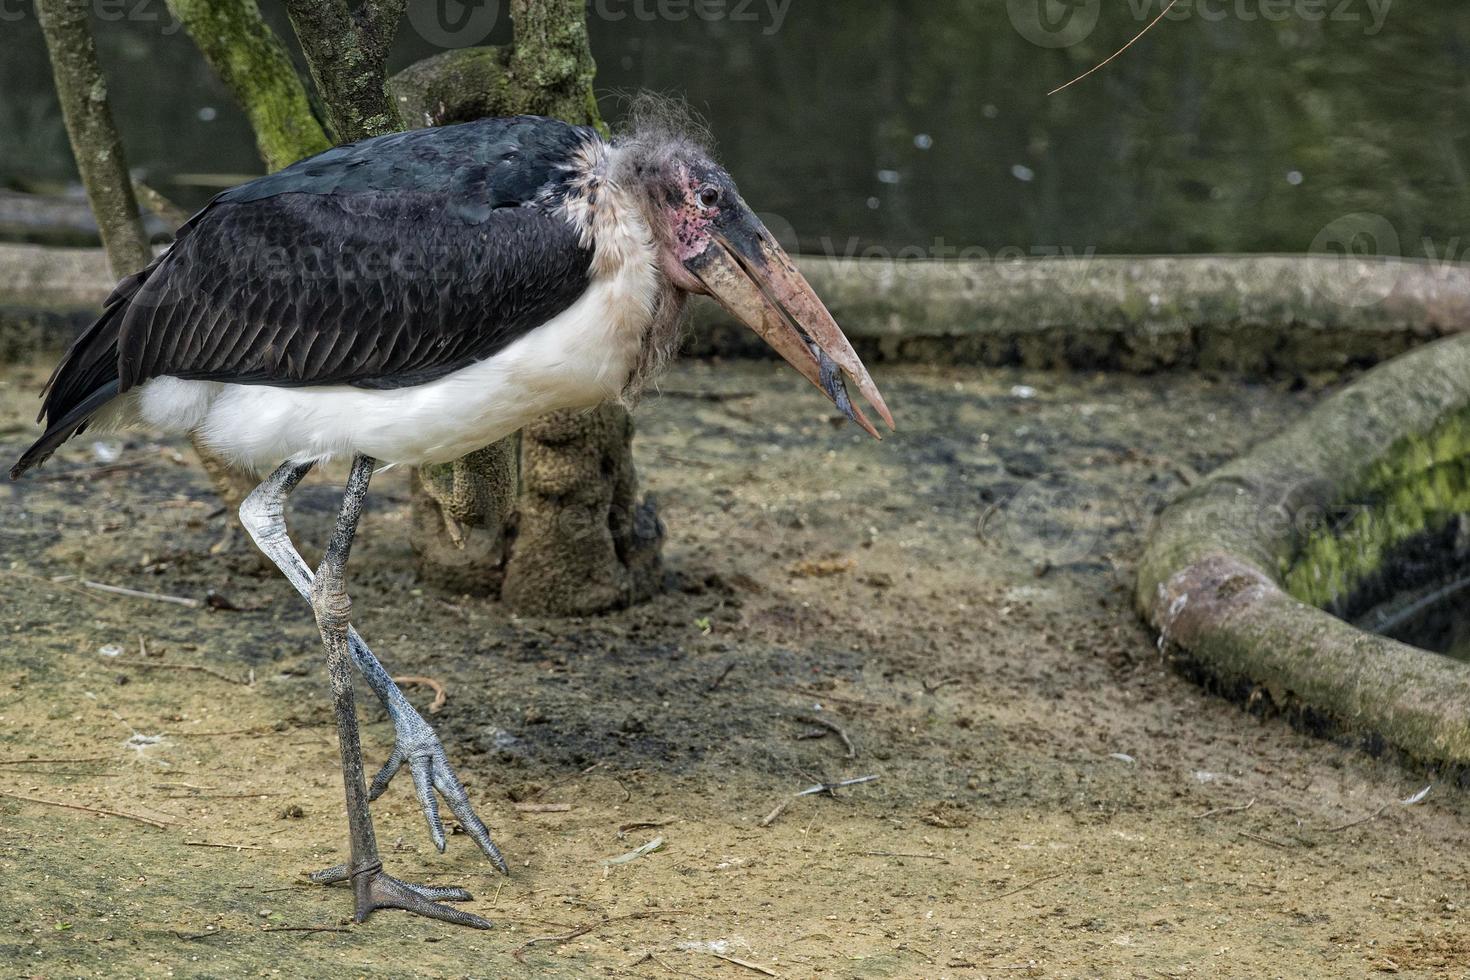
point(1210, 579)
point(1257, 315)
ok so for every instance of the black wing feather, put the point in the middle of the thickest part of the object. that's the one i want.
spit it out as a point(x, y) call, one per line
point(389, 296)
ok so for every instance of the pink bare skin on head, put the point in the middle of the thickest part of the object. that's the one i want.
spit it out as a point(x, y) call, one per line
point(689, 232)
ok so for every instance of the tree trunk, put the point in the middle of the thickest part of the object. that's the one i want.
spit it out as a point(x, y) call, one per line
point(346, 50)
point(583, 542)
point(82, 91)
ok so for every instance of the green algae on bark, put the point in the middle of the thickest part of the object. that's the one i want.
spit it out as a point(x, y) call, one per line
point(1421, 485)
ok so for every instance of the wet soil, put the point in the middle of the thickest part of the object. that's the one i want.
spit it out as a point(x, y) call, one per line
point(1052, 799)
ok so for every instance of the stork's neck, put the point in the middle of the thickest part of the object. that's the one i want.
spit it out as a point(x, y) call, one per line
point(625, 268)
point(607, 214)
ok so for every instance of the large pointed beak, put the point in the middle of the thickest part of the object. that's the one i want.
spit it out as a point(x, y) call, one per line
point(753, 278)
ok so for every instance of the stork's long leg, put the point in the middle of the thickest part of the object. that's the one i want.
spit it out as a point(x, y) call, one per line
point(372, 887)
point(263, 513)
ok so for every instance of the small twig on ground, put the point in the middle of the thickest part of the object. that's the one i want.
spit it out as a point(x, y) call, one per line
point(305, 929)
point(1362, 820)
point(775, 814)
point(644, 825)
point(745, 963)
point(156, 665)
point(714, 685)
point(30, 762)
point(232, 847)
point(829, 788)
point(648, 957)
point(832, 727)
point(257, 730)
point(930, 688)
point(643, 850)
point(585, 928)
point(1263, 840)
point(1224, 809)
point(543, 807)
point(89, 809)
point(440, 694)
point(827, 696)
point(1030, 884)
point(139, 594)
point(904, 854)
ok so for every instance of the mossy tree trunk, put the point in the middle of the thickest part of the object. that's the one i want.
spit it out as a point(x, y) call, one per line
point(346, 50)
point(82, 91)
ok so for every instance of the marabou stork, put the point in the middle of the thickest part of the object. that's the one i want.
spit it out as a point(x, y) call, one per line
point(409, 299)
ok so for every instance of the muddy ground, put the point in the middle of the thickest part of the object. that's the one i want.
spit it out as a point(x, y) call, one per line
point(1052, 799)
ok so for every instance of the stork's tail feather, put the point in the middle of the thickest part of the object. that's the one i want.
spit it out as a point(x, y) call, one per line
point(64, 428)
point(86, 378)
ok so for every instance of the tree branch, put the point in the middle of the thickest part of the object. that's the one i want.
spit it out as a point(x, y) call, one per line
point(82, 90)
point(253, 63)
point(552, 67)
point(377, 22)
point(346, 57)
point(454, 86)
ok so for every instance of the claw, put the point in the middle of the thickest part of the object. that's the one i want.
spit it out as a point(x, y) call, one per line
point(420, 748)
point(423, 785)
point(387, 892)
point(383, 891)
point(459, 805)
point(385, 775)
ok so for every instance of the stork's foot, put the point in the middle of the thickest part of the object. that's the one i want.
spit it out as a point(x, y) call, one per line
point(375, 889)
point(418, 746)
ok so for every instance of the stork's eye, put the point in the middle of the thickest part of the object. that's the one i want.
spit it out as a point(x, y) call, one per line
point(709, 197)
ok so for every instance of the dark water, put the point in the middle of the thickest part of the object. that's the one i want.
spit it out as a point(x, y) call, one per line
point(923, 127)
point(1437, 619)
point(1421, 593)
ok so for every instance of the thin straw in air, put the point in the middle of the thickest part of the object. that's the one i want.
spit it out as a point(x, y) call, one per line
point(1115, 54)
